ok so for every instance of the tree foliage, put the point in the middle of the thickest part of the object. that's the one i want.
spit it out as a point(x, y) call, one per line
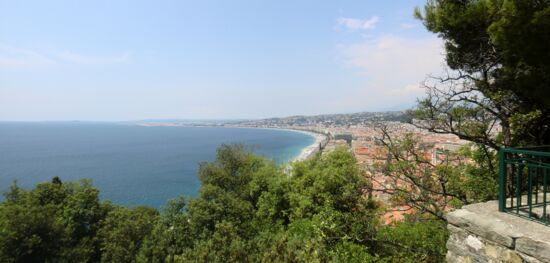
point(496, 92)
point(53, 221)
point(248, 209)
point(419, 182)
point(493, 94)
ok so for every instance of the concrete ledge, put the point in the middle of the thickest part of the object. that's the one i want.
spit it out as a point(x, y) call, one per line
point(540, 249)
point(479, 233)
point(484, 226)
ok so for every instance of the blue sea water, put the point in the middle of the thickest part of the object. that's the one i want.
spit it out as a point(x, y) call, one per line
point(131, 165)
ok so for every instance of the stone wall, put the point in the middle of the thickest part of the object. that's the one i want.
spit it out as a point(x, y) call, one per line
point(479, 233)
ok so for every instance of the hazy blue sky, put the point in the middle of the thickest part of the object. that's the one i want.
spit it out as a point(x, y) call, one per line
point(126, 60)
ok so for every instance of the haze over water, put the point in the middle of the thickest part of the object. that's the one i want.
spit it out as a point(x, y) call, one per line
point(131, 165)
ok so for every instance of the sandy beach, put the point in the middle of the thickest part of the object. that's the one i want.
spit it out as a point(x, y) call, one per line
point(312, 149)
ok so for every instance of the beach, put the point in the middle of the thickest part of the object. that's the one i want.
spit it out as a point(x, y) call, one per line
point(312, 149)
point(319, 142)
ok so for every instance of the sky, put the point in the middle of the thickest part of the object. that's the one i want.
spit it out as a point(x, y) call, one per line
point(129, 60)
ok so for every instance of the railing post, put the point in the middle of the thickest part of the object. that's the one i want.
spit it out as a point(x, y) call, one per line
point(502, 181)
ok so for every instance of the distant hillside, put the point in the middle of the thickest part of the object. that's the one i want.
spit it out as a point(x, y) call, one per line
point(329, 119)
point(298, 120)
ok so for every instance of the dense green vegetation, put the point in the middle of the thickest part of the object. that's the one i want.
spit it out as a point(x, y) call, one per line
point(248, 210)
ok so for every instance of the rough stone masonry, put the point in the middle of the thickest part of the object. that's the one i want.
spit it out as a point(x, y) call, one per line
point(480, 233)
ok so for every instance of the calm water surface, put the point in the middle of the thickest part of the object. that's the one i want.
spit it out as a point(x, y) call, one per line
point(131, 165)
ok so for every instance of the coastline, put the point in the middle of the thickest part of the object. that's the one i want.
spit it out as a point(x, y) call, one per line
point(320, 140)
point(310, 150)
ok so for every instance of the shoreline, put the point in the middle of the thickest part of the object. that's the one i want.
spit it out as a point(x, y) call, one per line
point(319, 142)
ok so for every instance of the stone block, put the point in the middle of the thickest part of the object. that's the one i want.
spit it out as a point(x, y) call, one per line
point(486, 227)
point(536, 248)
point(495, 253)
point(479, 233)
point(528, 259)
point(454, 258)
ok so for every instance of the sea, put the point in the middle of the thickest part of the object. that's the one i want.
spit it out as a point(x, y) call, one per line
point(131, 165)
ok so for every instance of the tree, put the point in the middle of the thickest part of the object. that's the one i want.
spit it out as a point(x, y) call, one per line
point(170, 235)
point(499, 72)
point(418, 183)
point(494, 93)
point(53, 222)
point(417, 239)
point(123, 231)
point(248, 210)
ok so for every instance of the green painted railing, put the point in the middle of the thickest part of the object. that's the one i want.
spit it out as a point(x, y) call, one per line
point(523, 182)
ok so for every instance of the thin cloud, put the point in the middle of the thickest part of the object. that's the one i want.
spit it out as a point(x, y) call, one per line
point(354, 24)
point(392, 54)
point(77, 58)
point(408, 90)
point(407, 26)
point(390, 65)
point(11, 57)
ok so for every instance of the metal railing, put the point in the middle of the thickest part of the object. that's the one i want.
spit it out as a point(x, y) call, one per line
point(523, 182)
